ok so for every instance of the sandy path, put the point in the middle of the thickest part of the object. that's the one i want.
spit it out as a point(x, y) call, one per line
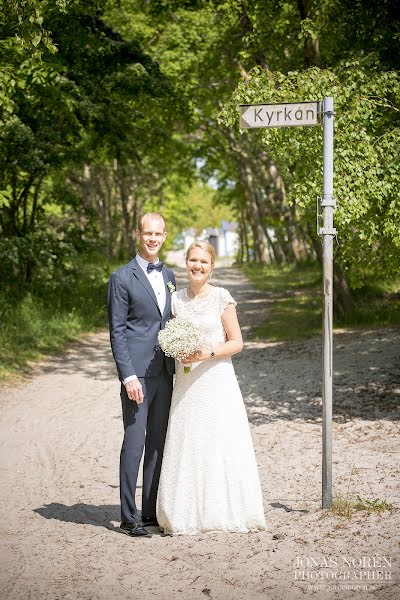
point(60, 437)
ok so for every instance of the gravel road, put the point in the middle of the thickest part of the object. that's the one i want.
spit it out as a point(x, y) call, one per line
point(61, 431)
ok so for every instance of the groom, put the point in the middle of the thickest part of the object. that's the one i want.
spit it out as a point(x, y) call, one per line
point(139, 305)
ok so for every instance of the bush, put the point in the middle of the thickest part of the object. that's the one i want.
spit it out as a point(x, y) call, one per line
point(39, 318)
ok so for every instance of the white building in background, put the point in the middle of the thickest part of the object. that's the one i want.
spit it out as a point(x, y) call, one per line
point(189, 235)
point(224, 239)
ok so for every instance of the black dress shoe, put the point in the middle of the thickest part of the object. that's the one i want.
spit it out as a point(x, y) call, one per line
point(150, 521)
point(134, 530)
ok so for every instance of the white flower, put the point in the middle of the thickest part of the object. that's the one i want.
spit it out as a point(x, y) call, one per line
point(170, 287)
point(181, 338)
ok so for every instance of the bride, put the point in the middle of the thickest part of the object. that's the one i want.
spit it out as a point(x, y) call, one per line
point(209, 479)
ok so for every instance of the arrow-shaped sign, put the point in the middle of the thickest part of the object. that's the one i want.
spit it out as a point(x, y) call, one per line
point(279, 115)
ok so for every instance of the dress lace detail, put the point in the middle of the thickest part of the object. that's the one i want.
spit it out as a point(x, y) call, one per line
point(209, 478)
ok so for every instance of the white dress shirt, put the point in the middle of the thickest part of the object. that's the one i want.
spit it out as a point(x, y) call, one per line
point(157, 282)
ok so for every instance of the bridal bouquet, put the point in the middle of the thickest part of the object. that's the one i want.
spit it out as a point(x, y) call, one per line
point(180, 339)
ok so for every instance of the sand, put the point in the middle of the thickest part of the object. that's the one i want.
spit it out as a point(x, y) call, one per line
point(61, 431)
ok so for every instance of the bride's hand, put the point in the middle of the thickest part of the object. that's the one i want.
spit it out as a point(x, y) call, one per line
point(195, 357)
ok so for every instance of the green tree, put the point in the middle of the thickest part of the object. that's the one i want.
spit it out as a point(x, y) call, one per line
point(82, 94)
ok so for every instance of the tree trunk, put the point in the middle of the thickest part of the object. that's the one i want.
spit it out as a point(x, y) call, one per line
point(130, 244)
point(341, 291)
point(342, 300)
point(240, 252)
point(311, 46)
point(35, 205)
point(244, 233)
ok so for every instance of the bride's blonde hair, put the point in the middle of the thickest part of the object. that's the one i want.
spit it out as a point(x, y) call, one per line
point(203, 245)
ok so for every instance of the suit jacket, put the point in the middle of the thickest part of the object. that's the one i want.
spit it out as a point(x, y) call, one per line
point(135, 320)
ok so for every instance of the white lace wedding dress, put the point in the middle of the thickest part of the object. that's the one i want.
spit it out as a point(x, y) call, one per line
point(209, 479)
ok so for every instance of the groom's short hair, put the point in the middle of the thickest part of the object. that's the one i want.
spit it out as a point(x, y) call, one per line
point(152, 215)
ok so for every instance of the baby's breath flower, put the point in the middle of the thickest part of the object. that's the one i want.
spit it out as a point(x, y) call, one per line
point(181, 338)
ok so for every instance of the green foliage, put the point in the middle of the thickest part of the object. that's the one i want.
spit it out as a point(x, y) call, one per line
point(108, 108)
point(81, 95)
point(41, 319)
point(367, 107)
point(295, 307)
point(210, 49)
point(282, 278)
point(344, 506)
point(193, 208)
point(295, 302)
point(377, 303)
point(372, 506)
point(22, 23)
point(40, 251)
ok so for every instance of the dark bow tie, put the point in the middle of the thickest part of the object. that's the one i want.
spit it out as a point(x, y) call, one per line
point(152, 266)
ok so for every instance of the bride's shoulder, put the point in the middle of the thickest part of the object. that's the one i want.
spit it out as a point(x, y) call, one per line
point(179, 294)
point(221, 291)
point(225, 298)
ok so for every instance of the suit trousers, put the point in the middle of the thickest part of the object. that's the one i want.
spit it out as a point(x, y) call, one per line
point(145, 428)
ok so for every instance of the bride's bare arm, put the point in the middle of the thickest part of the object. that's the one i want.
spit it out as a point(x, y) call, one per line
point(233, 345)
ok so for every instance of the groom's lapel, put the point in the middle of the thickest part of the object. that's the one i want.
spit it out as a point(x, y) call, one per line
point(167, 308)
point(139, 274)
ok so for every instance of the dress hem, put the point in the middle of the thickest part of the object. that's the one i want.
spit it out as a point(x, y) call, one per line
point(166, 531)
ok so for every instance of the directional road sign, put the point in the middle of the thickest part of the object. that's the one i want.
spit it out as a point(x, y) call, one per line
point(279, 115)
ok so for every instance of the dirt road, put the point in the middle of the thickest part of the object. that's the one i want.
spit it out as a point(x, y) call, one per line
point(60, 438)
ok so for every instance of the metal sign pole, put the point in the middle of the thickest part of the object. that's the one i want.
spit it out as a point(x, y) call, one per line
point(328, 233)
point(297, 114)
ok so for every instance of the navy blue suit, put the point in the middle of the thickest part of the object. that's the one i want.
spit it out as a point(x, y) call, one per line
point(135, 321)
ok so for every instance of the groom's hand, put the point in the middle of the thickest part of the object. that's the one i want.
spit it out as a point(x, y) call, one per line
point(134, 391)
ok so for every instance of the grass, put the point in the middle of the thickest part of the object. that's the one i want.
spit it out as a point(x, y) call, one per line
point(296, 304)
point(345, 506)
point(376, 304)
point(40, 320)
point(372, 506)
point(296, 307)
point(342, 506)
